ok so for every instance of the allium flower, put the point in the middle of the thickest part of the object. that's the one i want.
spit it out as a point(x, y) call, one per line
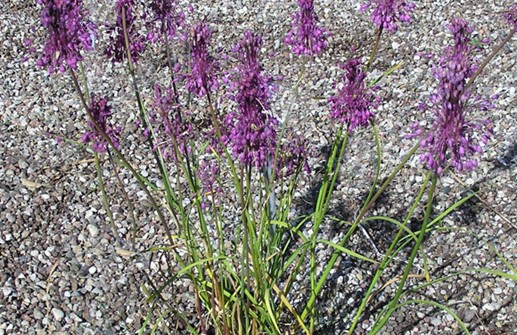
point(175, 128)
point(453, 138)
point(292, 154)
point(354, 101)
point(252, 131)
point(101, 113)
point(164, 19)
point(116, 49)
point(202, 77)
point(511, 15)
point(306, 37)
point(388, 13)
point(68, 32)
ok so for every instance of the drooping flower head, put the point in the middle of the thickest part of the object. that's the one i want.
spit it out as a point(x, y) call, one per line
point(354, 102)
point(252, 134)
point(306, 37)
point(511, 15)
point(387, 14)
point(101, 112)
point(116, 49)
point(164, 19)
point(175, 129)
point(292, 154)
point(452, 139)
point(68, 32)
point(203, 67)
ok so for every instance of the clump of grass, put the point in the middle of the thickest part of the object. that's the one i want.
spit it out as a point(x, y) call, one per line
point(228, 187)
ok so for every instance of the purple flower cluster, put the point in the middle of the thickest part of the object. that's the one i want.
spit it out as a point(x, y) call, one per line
point(388, 13)
point(354, 101)
point(292, 154)
point(451, 137)
point(306, 37)
point(68, 32)
point(511, 15)
point(202, 77)
point(101, 113)
point(174, 126)
point(116, 49)
point(164, 20)
point(252, 134)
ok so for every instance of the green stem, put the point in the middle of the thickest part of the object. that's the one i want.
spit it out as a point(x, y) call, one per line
point(105, 201)
point(374, 50)
point(129, 202)
point(387, 258)
point(351, 230)
point(394, 301)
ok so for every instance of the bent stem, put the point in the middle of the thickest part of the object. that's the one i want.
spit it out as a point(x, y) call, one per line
point(394, 302)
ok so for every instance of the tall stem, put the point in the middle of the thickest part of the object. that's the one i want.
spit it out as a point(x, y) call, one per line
point(374, 50)
point(412, 257)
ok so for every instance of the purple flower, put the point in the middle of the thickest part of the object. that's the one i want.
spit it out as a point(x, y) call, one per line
point(101, 113)
point(511, 15)
point(452, 138)
point(68, 32)
point(203, 67)
point(292, 154)
point(252, 134)
point(116, 49)
point(164, 19)
point(387, 13)
point(305, 37)
point(354, 101)
point(176, 130)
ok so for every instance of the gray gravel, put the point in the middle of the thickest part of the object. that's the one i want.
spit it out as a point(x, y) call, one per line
point(61, 270)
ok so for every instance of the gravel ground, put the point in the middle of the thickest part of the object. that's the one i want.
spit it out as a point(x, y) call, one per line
point(62, 270)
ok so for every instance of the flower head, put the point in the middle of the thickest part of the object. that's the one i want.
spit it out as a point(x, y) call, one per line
point(252, 133)
point(306, 37)
point(175, 128)
point(116, 49)
point(387, 14)
point(164, 19)
point(68, 32)
point(101, 113)
point(202, 77)
point(292, 154)
point(354, 101)
point(511, 15)
point(452, 139)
